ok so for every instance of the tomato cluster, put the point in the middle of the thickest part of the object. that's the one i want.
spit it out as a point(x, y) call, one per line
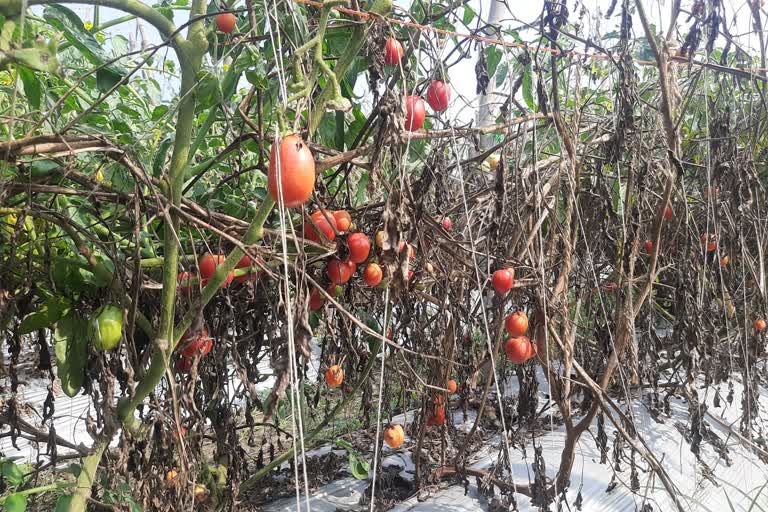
point(438, 92)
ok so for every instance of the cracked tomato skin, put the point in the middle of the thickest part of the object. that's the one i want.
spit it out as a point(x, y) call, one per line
point(296, 169)
point(106, 327)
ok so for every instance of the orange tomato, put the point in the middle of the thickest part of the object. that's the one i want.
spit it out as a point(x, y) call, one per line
point(343, 220)
point(373, 275)
point(414, 113)
point(334, 376)
point(518, 349)
point(394, 436)
point(760, 325)
point(452, 386)
point(438, 95)
point(316, 300)
point(516, 324)
point(185, 282)
point(246, 262)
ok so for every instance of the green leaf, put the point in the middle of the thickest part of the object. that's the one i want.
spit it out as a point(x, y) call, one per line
point(71, 348)
point(501, 76)
point(32, 87)
point(51, 310)
point(359, 466)
point(469, 15)
point(42, 168)
point(528, 87)
point(12, 472)
point(62, 505)
point(66, 21)
point(73, 469)
point(493, 59)
point(159, 111)
point(345, 444)
point(15, 503)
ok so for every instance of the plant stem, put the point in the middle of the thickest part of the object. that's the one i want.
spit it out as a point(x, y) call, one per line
point(38, 490)
point(88, 476)
point(159, 361)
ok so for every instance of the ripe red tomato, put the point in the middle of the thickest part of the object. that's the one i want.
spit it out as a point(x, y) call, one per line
point(343, 220)
point(760, 325)
point(503, 280)
point(518, 349)
point(436, 418)
point(340, 271)
point(516, 323)
point(648, 246)
point(297, 171)
point(198, 343)
point(316, 300)
point(447, 224)
point(323, 224)
point(414, 113)
point(183, 365)
point(359, 247)
point(393, 52)
point(668, 212)
point(373, 275)
point(207, 265)
point(226, 22)
point(710, 241)
point(246, 262)
point(438, 95)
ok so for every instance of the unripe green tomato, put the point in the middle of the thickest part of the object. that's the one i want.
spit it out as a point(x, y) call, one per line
point(106, 327)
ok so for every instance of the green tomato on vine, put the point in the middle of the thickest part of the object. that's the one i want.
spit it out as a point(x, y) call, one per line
point(106, 327)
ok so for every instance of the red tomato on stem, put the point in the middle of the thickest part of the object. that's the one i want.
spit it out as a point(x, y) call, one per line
point(296, 169)
point(226, 22)
point(503, 280)
point(393, 52)
point(359, 247)
point(438, 95)
point(414, 113)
